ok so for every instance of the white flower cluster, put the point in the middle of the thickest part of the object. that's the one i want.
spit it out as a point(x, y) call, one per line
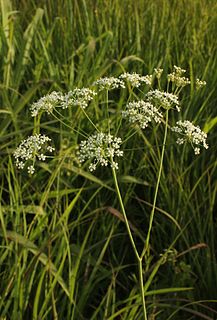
point(34, 146)
point(78, 97)
point(163, 99)
point(109, 83)
point(132, 78)
point(142, 112)
point(200, 83)
point(101, 148)
point(177, 78)
point(147, 79)
point(192, 134)
point(136, 79)
point(47, 103)
point(158, 72)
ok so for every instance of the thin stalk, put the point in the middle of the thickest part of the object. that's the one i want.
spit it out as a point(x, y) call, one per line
point(107, 110)
point(124, 213)
point(88, 118)
point(146, 248)
point(141, 284)
point(66, 125)
point(141, 281)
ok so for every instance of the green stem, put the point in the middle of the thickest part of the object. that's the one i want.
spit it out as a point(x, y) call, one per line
point(141, 284)
point(124, 213)
point(141, 281)
point(146, 248)
point(107, 111)
point(66, 125)
point(88, 118)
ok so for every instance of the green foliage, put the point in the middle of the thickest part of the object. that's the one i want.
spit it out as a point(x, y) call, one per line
point(64, 250)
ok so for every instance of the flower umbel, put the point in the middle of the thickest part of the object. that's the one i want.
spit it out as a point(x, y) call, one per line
point(192, 134)
point(142, 112)
point(163, 99)
point(109, 83)
point(30, 149)
point(101, 148)
point(78, 97)
point(136, 79)
point(177, 78)
point(158, 72)
point(200, 83)
point(47, 103)
point(133, 78)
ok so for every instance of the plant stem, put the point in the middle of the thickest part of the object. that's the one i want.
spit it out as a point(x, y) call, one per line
point(146, 248)
point(124, 213)
point(141, 282)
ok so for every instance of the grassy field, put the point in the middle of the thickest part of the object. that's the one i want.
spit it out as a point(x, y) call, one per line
point(134, 243)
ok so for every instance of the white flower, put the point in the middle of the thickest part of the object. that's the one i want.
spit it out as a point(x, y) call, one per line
point(200, 83)
point(192, 134)
point(133, 78)
point(30, 149)
point(101, 148)
point(136, 79)
point(109, 83)
point(31, 169)
point(177, 78)
point(158, 72)
point(164, 99)
point(47, 103)
point(78, 97)
point(142, 112)
point(147, 79)
point(178, 71)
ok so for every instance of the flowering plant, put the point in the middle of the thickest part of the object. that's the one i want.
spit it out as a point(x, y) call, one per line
point(105, 147)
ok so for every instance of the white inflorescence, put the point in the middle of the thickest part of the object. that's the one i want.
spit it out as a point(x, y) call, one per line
point(147, 79)
point(200, 83)
point(47, 103)
point(34, 146)
point(164, 99)
point(158, 72)
point(192, 134)
point(177, 78)
point(101, 148)
point(78, 97)
point(142, 112)
point(136, 79)
point(109, 83)
point(133, 78)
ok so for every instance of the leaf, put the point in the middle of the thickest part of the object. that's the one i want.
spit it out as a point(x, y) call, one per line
point(210, 124)
point(131, 179)
point(87, 175)
point(41, 256)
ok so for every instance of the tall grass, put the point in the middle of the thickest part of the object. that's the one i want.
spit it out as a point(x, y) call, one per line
point(64, 250)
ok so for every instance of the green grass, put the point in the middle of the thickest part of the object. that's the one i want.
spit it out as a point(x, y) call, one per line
point(65, 252)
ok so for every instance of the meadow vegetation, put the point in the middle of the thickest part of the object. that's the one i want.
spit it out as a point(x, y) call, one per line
point(130, 235)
